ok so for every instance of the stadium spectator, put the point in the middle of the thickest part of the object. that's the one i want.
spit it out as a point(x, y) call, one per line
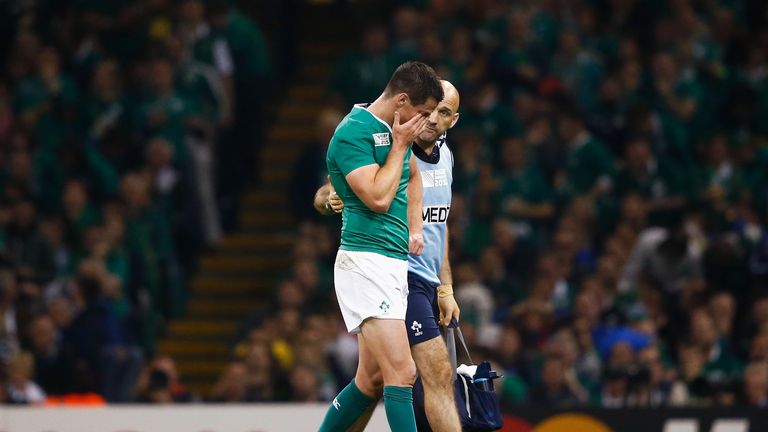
point(756, 385)
point(232, 386)
point(309, 170)
point(609, 185)
point(57, 368)
point(554, 388)
point(610, 172)
point(159, 383)
point(21, 390)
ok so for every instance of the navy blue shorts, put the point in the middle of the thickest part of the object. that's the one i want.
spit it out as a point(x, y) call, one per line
point(422, 315)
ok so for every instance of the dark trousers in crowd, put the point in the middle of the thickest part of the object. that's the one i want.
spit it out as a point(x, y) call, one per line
point(238, 151)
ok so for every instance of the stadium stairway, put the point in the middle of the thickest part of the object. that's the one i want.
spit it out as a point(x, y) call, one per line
point(240, 275)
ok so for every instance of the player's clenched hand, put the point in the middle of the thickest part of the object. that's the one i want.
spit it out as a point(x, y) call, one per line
point(404, 134)
point(416, 243)
point(449, 309)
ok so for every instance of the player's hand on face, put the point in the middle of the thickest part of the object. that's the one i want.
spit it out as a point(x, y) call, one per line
point(416, 243)
point(404, 134)
point(449, 310)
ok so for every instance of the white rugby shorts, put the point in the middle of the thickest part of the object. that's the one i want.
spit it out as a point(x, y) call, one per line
point(370, 285)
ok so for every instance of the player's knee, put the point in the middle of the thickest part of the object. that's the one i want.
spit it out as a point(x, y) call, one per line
point(405, 373)
point(371, 385)
point(377, 382)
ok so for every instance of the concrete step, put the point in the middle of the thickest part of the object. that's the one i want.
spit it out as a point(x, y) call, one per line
point(292, 133)
point(210, 368)
point(308, 91)
point(281, 154)
point(179, 349)
point(277, 174)
point(212, 307)
point(258, 218)
point(266, 198)
point(298, 114)
point(220, 328)
point(323, 50)
point(230, 286)
point(256, 264)
point(319, 72)
point(257, 241)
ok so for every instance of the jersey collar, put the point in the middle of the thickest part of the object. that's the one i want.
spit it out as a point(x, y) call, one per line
point(433, 157)
point(364, 107)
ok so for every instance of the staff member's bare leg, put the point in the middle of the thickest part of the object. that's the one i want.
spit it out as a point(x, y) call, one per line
point(431, 359)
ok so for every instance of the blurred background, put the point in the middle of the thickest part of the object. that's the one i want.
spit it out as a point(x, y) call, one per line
point(158, 160)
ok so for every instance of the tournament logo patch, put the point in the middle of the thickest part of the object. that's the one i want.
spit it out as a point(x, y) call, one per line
point(434, 178)
point(381, 139)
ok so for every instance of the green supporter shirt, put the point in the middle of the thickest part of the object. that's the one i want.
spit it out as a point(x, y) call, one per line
point(363, 139)
point(246, 44)
point(530, 186)
point(662, 178)
point(588, 162)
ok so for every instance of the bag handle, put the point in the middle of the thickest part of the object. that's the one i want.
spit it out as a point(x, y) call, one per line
point(450, 342)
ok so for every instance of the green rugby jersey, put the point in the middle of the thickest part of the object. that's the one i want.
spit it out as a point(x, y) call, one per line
point(363, 139)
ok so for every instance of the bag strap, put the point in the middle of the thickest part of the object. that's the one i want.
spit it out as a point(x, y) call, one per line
point(450, 342)
point(464, 344)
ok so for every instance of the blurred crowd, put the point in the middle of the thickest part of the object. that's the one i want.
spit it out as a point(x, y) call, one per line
point(609, 227)
point(111, 117)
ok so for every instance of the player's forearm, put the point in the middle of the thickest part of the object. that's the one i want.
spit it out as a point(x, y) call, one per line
point(387, 180)
point(415, 201)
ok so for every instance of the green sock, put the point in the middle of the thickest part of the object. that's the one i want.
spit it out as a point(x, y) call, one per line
point(398, 401)
point(350, 404)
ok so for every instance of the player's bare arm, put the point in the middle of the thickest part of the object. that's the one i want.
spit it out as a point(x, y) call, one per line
point(376, 185)
point(415, 200)
point(449, 309)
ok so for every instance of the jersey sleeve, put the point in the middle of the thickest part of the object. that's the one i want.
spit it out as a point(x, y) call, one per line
point(353, 152)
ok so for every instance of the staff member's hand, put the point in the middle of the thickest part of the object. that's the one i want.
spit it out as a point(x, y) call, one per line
point(334, 203)
point(449, 309)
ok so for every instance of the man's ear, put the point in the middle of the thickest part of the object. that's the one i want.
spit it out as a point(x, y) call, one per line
point(455, 119)
point(402, 99)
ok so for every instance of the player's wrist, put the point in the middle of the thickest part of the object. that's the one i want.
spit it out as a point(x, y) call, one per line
point(400, 145)
point(445, 290)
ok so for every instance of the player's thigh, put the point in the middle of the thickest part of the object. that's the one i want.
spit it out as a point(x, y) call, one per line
point(431, 358)
point(370, 285)
point(387, 341)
